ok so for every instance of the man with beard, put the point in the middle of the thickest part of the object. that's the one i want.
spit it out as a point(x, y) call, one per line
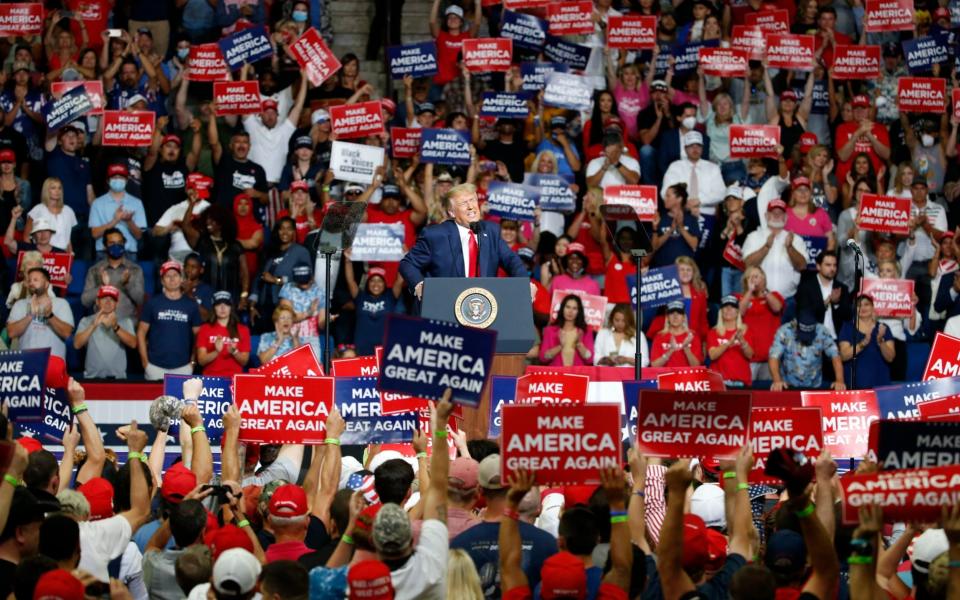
point(235, 173)
point(166, 169)
point(38, 320)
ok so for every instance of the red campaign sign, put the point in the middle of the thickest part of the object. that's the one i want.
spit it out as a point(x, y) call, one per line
point(944, 359)
point(798, 429)
point(488, 54)
point(395, 404)
point(691, 380)
point(21, 19)
point(888, 15)
point(676, 425)
point(489, 3)
point(856, 62)
point(846, 419)
point(570, 18)
point(299, 362)
point(642, 198)
point(206, 64)
point(58, 264)
point(941, 407)
point(749, 39)
point(631, 32)
point(567, 446)
point(314, 57)
point(552, 388)
point(361, 366)
point(790, 51)
point(754, 141)
point(405, 141)
point(524, 4)
point(904, 494)
point(594, 307)
point(357, 120)
point(724, 62)
point(775, 21)
point(922, 94)
point(283, 410)
point(884, 214)
point(891, 297)
point(94, 91)
point(128, 128)
point(237, 97)
point(955, 98)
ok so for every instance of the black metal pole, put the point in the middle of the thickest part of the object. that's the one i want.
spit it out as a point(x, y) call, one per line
point(638, 356)
point(852, 385)
point(327, 252)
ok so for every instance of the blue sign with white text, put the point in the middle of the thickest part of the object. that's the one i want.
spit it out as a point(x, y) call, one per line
point(576, 56)
point(445, 147)
point(358, 400)
point(246, 46)
point(417, 60)
point(815, 245)
point(215, 398)
point(526, 31)
point(555, 191)
point(921, 54)
point(631, 400)
point(658, 287)
point(512, 200)
point(56, 418)
point(503, 390)
point(506, 105)
point(534, 74)
point(900, 401)
point(23, 383)
point(68, 108)
point(687, 56)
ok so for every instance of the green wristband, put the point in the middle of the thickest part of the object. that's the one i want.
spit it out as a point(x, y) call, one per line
point(137, 456)
point(743, 486)
point(860, 560)
point(803, 514)
point(346, 539)
point(442, 434)
point(79, 408)
point(197, 429)
point(619, 519)
point(332, 441)
point(12, 480)
point(421, 454)
point(243, 523)
point(730, 475)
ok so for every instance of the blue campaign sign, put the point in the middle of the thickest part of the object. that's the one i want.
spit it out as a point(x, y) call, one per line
point(506, 105)
point(576, 56)
point(921, 54)
point(900, 401)
point(566, 90)
point(22, 383)
point(706, 223)
point(378, 242)
point(631, 399)
point(56, 418)
point(815, 245)
point(687, 56)
point(215, 398)
point(424, 357)
point(503, 390)
point(68, 108)
point(658, 287)
point(534, 74)
point(246, 46)
point(526, 31)
point(418, 60)
point(555, 191)
point(445, 146)
point(512, 200)
point(358, 400)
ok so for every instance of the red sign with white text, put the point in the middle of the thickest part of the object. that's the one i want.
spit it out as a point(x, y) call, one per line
point(405, 141)
point(206, 64)
point(561, 446)
point(57, 265)
point(904, 494)
point(955, 98)
point(283, 410)
point(570, 18)
point(941, 407)
point(299, 362)
point(128, 128)
point(676, 424)
point(314, 57)
point(856, 62)
point(846, 419)
point(884, 214)
point(594, 307)
point(750, 39)
point(789, 51)
point(798, 429)
point(94, 90)
point(724, 62)
point(24, 19)
point(922, 94)
point(642, 198)
point(395, 404)
point(361, 366)
point(488, 54)
point(691, 380)
point(888, 15)
point(631, 32)
point(357, 120)
point(237, 97)
point(944, 359)
point(524, 4)
point(754, 141)
point(774, 21)
point(892, 298)
point(552, 388)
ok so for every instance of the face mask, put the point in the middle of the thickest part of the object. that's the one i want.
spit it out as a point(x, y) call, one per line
point(183, 53)
point(118, 185)
point(775, 224)
point(689, 122)
point(300, 16)
point(927, 140)
point(577, 273)
point(115, 250)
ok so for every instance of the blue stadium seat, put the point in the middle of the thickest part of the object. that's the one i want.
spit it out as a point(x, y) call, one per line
point(79, 311)
point(149, 275)
point(12, 267)
point(917, 353)
point(74, 359)
point(254, 361)
point(79, 273)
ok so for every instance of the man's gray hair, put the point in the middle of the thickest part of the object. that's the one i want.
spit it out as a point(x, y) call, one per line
point(74, 504)
point(459, 190)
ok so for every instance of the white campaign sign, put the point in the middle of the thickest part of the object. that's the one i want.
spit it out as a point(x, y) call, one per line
point(355, 162)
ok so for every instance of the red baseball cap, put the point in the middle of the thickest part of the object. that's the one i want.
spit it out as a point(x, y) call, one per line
point(299, 185)
point(777, 203)
point(29, 444)
point(170, 264)
point(370, 580)
point(717, 549)
point(117, 169)
point(388, 105)
point(463, 474)
point(613, 122)
point(201, 183)
point(563, 576)
point(178, 481)
point(807, 141)
point(941, 13)
point(99, 493)
point(788, 95)
point(576, 247)
point(861, 101)
point(269, 104)
point(108, 291)
point(288, 501)
point(56, 373)
point(227, 537)
point(577, 494)
point(58, 584)
point(798, 182)
point(377, 272)
point(695, 551)
point(8, 156)
point(170, 137)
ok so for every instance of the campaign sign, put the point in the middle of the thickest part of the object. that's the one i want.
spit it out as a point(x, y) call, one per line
point(67, 108)
point(935, 409)
point(567, 446)
point(215, 398)
point(631, 32)
point(944, 359)
point(631, 395)
point(314, 57)
point(534, 74)
point(207, 64)
point(128, 128)
point(815, 245)
point(891, 297)
point(299, 362)
point(922, 94)
point(94, 91)
point(691, 380)
point(775, 21)
point(283, 410)
point(394, 404)
point(405, 141)
point(674, 424)
point(724, 62)
point(358, 400)
point(754, 141)
point(904, 495)
point(659, 286)
point(22, 383)
point(502, 391)
point(24, 19)
point(794, 428)
point(921, 54)
point(570, 18)
point(576, 56)
point(903, 401)
point(554, 190)
point(237, 97)
point(888, 15)
point(856, 62)
point(445, 147)
point(526, 31)
point(360, 366)
point(884, 214)
point(245, 46)
point(846, 419)
point(382, 242)
point(594, 307)
point(790, 51)
point(424, 357)
point(512, 200)
point(565, 90)
point(507, 105)
point(749, 39)
point(487, 54)
point(56, 420)
point(524, 4)
point(355, 162)
point(641, 198)
point(57, 264)
point(955, 102)
point(552, 388)
point(917, 444)
point(417, 60)
point(686, 57)
point(356, 120)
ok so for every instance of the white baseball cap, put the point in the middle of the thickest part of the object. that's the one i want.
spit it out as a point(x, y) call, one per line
point(42, 224)
point(235, 572)
point(454, 10)
point(692, 137)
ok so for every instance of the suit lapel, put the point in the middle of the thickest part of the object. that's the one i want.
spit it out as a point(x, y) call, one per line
point(456, 248)
point(485, 247)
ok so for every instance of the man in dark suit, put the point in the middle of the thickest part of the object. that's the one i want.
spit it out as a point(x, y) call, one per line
point(462, 246)
point(820, 291)
point(670, 141)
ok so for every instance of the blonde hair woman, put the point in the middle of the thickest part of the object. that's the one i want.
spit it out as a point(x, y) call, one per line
point(463, 583)
point(761, 311)
point(903, 181)
point(676, 345)
point(18, 291)
point(728, 345)
point(819, 170)
point(53, 209)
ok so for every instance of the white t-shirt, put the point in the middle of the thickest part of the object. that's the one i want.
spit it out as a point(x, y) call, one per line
point(268, 147)
point(424, 576)
point(612, 176)
point(179, 247)
point(101, 542)
point(64, 222)
point(776, 265)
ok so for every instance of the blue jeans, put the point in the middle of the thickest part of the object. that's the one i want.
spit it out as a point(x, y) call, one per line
point(648, 165)
point(733, 171)
point(731, 281)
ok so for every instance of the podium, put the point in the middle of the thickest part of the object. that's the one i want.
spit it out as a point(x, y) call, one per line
point(499, 303)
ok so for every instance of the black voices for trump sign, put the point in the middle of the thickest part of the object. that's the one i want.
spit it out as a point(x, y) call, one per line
point(22, 376)
point(676, 424)
point(283, 410)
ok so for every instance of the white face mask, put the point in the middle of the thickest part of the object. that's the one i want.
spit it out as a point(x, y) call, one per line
point(927, 140)
point(689, 122)
point(778, 224)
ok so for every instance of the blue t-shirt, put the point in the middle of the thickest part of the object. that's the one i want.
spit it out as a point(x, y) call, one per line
point(715, 588)
point(675, 246)
point(481, 542)
point(872, 370)
point(170, 338)
point(74, 172)
point(372, 314)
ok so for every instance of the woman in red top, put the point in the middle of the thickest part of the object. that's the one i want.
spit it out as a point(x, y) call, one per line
point(696, 290)
point(450, 38)
point(249, 232)
point(302, 210)
point(676, 345)
point(588, 229)
point(761, 310)
point(223, 344)
point(728, 345)
point(620, 264)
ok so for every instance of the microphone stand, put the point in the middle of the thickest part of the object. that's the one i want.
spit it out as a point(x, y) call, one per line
point(857, 270)
point(638, 255)
point(328, 252)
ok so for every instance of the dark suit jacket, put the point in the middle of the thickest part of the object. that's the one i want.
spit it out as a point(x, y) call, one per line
point(668, 144)
point(438, 253)
point(943, 302)
point(809, 296)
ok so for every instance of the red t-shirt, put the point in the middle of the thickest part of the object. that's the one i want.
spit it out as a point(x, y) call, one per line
point(286, 551)
point(845, 132)
point(541, 302)
point(840, 38)
point(95, 15)
point(448, 46)
point(303, 225)
point(615, 282)
point(732, 364)
point(223, 365)
point(762, 323)
point(594, 253)
point(661, 344)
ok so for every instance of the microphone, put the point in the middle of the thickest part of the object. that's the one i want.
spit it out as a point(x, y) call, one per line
point(853, 245)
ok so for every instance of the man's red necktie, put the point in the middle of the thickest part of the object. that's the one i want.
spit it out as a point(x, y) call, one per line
point(474, 251)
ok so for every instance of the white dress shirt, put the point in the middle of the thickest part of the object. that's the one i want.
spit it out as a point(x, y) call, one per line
point(776, 265)
point(711, 189)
